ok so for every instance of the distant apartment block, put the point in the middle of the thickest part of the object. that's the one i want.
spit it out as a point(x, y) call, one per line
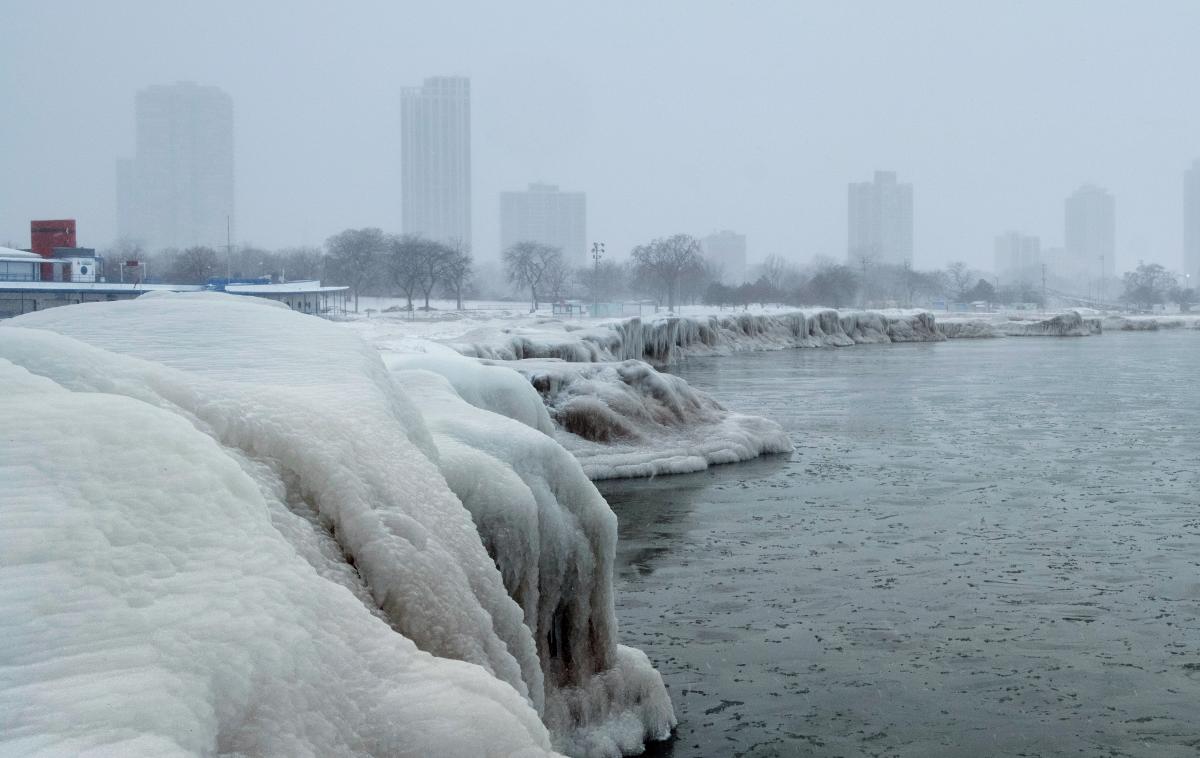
point(880, 221)
point(545, 214)
point(1018, 258)
point(435, 157)
point(727, 251)
point(1191, 223)
point(177, 190)
point(1090, 226)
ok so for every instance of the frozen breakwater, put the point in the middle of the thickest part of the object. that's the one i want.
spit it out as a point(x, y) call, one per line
point(260, 540)
point(1068, 324)
point(664, 340)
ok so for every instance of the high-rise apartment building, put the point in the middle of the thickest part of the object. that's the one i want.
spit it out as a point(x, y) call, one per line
point(1091, 234)
point(1191, 223)
point(177, 190)
point(1018, 257)
point(880, 216)
point(727, 251)
point(435, 156)
point(547, 215)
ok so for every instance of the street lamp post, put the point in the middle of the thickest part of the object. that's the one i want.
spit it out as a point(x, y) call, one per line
point(597, 254)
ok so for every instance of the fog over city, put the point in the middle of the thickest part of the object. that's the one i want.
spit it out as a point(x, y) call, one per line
point(671, 116)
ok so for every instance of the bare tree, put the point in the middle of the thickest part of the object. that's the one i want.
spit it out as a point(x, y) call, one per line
point(457, 271)
point(354, 257)
point(556, 278)
point(665, 261)
point(195, 265)
point(961, 279)
point(431, 262)
point(526, 264)
point(405, 263)
point(602, 280)
point(300, 263)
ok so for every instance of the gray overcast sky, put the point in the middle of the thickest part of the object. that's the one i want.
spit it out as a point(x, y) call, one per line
point(672, 116)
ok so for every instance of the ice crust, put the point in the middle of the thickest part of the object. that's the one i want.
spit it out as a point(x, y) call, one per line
point(272, 546)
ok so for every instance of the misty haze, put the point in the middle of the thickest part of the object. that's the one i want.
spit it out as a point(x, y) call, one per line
point(671, 379)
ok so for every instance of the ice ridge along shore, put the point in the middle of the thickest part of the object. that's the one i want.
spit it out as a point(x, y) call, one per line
point(228, 528)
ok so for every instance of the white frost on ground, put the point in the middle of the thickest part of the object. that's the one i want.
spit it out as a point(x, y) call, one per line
point(231, 503)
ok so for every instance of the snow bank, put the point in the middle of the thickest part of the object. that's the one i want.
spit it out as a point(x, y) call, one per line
point(344, 474)
point(662, 341)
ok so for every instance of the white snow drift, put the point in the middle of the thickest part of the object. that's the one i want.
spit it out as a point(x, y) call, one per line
point(231, 531)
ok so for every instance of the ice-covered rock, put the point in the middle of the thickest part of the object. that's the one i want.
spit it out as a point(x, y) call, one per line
point(347, 477)
point(1068, 324)
point(627, 419)
point(664, 340)
point(1130, 323)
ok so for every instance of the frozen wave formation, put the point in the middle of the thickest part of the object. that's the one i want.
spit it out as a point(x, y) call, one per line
point(226, 528)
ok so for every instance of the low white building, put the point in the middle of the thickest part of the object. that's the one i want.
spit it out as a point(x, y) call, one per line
point(306, 297)
point(19, 265)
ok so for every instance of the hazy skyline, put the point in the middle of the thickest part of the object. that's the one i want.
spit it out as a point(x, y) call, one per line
point(672, 117)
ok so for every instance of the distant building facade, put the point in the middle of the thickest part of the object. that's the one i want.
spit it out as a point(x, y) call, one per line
point(1018, 258)
point(545, 214)
point(880, 220)
point(178, 189)
point(435, 158)
point(1090, 227)
point(1191, 223)
point(727, 251)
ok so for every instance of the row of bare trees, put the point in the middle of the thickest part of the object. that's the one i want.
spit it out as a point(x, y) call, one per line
point(370, 260)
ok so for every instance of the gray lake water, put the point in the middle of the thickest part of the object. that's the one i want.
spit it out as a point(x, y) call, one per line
point(982, 548)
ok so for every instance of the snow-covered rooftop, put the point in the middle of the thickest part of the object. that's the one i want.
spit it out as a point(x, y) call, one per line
point(99, 287)
point(285, 288)
point(9, 253)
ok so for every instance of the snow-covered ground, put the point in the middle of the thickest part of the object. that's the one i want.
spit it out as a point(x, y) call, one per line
point(227, 527)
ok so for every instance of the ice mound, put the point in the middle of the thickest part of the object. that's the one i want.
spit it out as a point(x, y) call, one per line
point(627, 419)
point(664, 340)
point(1068, 324)
point(151, 607)
point(551, 535)
point(349, 474)
point(1151, 323)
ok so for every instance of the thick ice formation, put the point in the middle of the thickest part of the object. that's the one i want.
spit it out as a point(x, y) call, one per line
point(305, 427)
point(1152, 323)
point(551, 534)
point(627, 419)
point(662, 341)
point(1068, 324)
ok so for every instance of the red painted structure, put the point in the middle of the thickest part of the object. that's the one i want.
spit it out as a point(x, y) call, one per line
point(44, 236)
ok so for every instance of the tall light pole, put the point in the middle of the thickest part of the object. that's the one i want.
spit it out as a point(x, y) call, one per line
point(597, 254)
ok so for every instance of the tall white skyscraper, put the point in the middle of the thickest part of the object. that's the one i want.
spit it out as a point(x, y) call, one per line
point(177, 190)
point(880, 216)
point(1191, 223)
point(1091, 233)
point(435, 155)
point(727, 250)
point(544, 214)
point(1018, 258)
